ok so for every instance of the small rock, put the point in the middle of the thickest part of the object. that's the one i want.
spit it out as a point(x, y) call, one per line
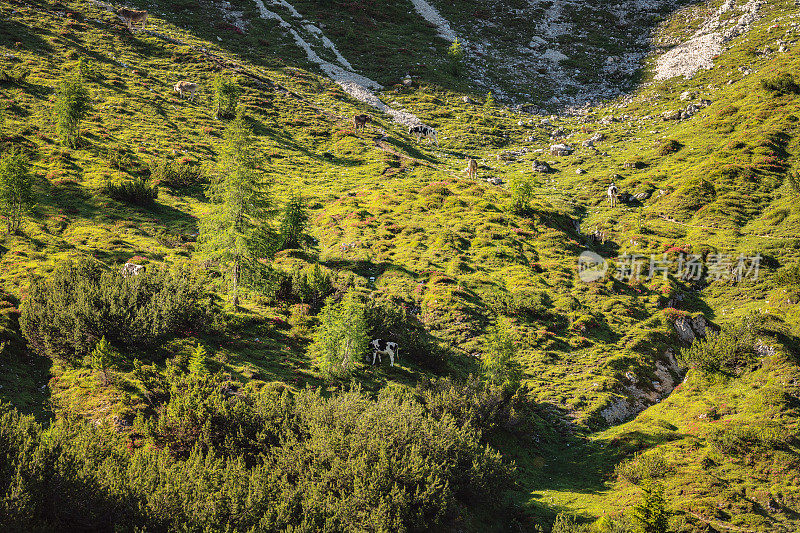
point(560, 149)
point(541, 166)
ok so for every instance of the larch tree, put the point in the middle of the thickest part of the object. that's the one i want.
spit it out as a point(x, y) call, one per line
point(16, 188)
point(72, 105)
point(293, 223)
point(342, 338)
point(234, 230)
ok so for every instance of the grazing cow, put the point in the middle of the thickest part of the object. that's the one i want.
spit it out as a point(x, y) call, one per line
point(422, 130)
point(382, 347)
point(184, 87)
point(359, 121)
point(131, 269)
point(612, 195)
point(472, 167)
point(131, 17)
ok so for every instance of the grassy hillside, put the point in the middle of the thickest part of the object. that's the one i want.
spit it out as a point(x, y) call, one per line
point(397, 221)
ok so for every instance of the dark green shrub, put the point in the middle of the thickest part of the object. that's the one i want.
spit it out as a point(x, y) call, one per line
point(175, 175)
point(267, 460)
point(781, 84)
point(392, 321)
point(311, 285)
point(729, 351)
point(642, 467)
point(137, 191)
point(79, 303)
point(737, 439)
point(12, 343)
point(669, 146)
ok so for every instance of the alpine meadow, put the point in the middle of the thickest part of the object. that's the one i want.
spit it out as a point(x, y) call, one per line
point(401, 266)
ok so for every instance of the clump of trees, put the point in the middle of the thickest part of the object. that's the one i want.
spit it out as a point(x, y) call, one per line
point(16, 188)
point(72, 105)
point(264, 458)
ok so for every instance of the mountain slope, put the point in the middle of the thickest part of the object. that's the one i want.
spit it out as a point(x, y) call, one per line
point(397, 221)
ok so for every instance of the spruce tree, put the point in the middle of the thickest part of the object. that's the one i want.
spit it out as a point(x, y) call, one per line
point(101, 358)
point(293, 223)
point(197, 361)
point(651, 514)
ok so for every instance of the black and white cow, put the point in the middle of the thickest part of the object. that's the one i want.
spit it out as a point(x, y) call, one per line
point(422, 130)
point(382, 347)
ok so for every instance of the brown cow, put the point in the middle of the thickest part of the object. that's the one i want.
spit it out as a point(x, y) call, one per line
point(359, 121)
point(131, 17)
point(472, 167)
point(186, 87)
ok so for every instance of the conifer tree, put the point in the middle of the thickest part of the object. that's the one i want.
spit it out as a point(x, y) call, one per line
point(499, 360)
point(342, 337)
point(234, 230)
point(650, 514)
point(16, 188)
point(197, 361)
point(71, 107)
point(101, 358)
point(293, 223)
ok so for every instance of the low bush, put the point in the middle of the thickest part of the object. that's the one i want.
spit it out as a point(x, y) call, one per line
point(643, 467)
point(66, 314)
point(737, 439)
point(781, 84)
point(669, 146)
point(137, 191)
point(729, 351)
point(175, 175)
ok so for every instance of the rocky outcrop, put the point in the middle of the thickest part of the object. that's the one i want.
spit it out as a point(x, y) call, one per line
point(636, 395)
point(560, 149)
point(691, 328)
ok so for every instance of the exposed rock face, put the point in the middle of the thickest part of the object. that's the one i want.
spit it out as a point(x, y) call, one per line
point(637, 396)
point(689, 329)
